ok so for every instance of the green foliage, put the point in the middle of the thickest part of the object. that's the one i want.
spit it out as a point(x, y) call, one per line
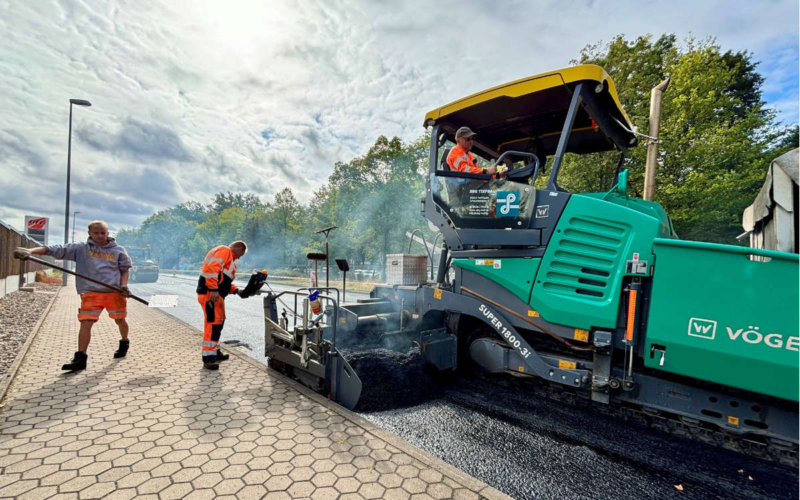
point(231, 221)
point(248, 202)
point(197, 247)
point(167, 234)
point(374, 201)
point(717, 137)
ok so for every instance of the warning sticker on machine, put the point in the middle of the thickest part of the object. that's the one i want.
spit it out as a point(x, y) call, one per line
point(582, 335)
point(533, 314)
point(566, 365)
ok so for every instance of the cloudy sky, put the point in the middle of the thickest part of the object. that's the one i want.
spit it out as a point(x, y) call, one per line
point(190, 98)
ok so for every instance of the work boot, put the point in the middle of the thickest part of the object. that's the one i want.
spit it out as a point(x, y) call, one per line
point(123, 349)
point(78, 362)
point(210, 365)
point(221, 356)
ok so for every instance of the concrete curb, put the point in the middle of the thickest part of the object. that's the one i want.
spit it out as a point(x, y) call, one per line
point(10, 375)
point(481, 488)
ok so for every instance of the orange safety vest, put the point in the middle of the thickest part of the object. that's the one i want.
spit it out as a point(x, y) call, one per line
point(462, 161)
point(218, 272)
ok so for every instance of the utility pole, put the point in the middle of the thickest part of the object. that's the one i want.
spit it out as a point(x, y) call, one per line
point(652, 143)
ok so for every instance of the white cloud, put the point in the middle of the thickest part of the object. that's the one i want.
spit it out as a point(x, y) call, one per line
point(192, 98)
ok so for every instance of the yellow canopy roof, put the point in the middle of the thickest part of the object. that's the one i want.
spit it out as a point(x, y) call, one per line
point(510, 115)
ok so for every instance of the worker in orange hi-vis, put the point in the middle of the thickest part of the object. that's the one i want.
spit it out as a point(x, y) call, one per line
point(215, 283)
point(461, 160)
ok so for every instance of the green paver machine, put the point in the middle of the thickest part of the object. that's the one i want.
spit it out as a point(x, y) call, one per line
point(590, 292)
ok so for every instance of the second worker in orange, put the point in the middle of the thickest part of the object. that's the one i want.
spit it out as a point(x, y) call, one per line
point(214, 284)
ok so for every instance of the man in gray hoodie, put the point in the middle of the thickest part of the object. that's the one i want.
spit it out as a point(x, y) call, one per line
point(102, 259)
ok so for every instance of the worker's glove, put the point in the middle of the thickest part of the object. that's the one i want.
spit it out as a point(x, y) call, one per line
point(22, 253)
point(236, 292)
point(126, 292)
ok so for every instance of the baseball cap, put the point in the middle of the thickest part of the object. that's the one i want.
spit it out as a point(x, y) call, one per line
point(464, 132)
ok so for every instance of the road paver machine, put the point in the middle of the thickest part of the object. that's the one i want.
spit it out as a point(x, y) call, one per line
point(591, 292)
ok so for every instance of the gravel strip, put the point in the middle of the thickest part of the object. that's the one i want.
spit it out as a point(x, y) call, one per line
point(530, 447)
point(19, 312)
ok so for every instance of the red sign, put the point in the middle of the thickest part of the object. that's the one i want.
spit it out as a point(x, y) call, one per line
point(37, 223)
point(36, 228)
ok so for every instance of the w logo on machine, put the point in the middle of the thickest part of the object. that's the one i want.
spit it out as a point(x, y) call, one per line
point(507, 204)
point(704, 328)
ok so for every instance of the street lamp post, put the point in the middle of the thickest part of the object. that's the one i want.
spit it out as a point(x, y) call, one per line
point(326, 232)
point(73, 224)
point(79, 102)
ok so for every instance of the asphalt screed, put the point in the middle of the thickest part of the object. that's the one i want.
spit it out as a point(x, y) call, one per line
point(391, 379)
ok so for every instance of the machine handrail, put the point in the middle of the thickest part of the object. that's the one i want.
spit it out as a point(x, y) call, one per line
point(328, 297)
point(321, 288)
point(424, 244)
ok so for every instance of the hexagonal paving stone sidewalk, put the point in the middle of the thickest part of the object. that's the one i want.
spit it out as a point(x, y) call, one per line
point(156, 425)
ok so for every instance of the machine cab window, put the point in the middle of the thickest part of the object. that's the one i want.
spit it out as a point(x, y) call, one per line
point(503, 200)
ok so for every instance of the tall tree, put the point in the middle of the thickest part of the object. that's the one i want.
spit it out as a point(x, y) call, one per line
point(190, 210)
point(285, 220)
point(168, 235)
point(248, 202)
point(377, 197)
point(717, 136)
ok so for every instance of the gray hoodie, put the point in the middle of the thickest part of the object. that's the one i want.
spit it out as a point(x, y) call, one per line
point(104, 263)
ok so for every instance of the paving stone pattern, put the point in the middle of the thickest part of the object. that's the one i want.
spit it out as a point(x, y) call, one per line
point(155, 425)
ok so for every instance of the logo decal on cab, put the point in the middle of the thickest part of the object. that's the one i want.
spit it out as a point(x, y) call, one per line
point(704, 328)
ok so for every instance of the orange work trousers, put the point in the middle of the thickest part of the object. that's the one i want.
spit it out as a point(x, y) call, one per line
point(214, 319)
point(93, 303)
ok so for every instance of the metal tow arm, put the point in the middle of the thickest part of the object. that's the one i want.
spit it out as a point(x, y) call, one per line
point(442, 300)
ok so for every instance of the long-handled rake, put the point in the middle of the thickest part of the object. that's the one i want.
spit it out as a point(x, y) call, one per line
point(158, 300)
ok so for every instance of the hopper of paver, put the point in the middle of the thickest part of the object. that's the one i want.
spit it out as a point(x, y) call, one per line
point(301, 342)
point(307, 345)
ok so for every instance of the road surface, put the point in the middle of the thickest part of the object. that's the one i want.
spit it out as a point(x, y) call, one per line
point(245, 317)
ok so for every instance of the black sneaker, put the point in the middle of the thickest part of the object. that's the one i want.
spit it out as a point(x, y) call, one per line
point(78, 362)
point(222, 357)
point(210, 365)
point(123, 349)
